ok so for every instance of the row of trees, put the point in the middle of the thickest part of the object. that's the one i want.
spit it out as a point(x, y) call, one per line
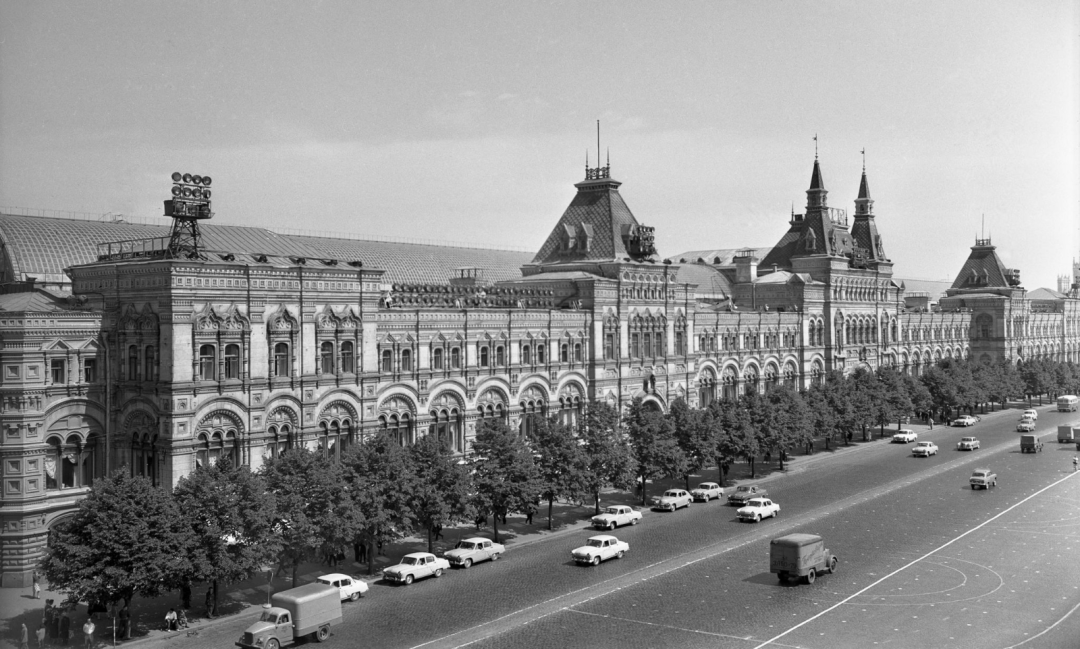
point(224, 523)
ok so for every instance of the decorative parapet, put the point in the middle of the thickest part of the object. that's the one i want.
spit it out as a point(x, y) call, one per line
point(439, 296)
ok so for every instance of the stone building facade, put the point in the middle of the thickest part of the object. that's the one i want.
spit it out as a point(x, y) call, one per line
point(158, 365)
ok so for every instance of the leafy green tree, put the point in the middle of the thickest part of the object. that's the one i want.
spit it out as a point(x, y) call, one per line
point(315, 510)
point(652, 442)
point(560, 461)
point(942, 386)
point(787, 423)
point(506, 477)
point(866, 396)
point(127, 538)
point(921, 400)
point(232, 517)
point(732, 435)
point(836, 395)
point(693, 436)
point(440, 487)
point(1036, 377)
point(607, 458)
point(381, 482)
point(822, 416)
point(895, 401)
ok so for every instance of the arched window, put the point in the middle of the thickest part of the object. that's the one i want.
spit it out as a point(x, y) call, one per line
point(406, 360)
point(564, 353)
point(387, 364)
point(500, 356)
point(348, 362)
point(526, 355)
point(706, 387)
point(540, 354)
point(326, 357)
point(282, 360)
point(208, 362)
point(484, 356)
point(446, 426)
point(280, 438)
point(577, 353)
point(437, 358)
point(232, 361)
point(72, 463)
point(133, 363)
point(399, 425)
point(144, 456)
point(455, 358)
point(148, 364)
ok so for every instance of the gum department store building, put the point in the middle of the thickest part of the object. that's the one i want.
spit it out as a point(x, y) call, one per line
point(111, 359)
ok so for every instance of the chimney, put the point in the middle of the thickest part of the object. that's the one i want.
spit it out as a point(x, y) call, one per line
point(745, 266)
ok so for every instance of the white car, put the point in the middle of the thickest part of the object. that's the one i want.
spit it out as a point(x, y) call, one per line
point(924, 449)
point(904, 436)
point(351, 588)
point(600, 548)
point(757, 509)
point(1026, 426)
point(964, 421)
point(706, 491)
point(1030, 414)
point(967, 444)
point(616, 516)
point(416, 566)
point(469, 551)
point(673, 499)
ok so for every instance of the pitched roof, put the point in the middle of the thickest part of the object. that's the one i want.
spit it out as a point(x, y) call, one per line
point(716, 256)
point(1046, 294)
point(597, 212)
point(37, 301)
point(982, 269)
point(710, 281)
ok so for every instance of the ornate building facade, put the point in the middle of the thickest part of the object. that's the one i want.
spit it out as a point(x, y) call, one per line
point(158, 365)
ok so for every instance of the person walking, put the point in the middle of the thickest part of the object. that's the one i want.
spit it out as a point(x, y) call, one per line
point(40, 634)
point(1076, 463)
point(931, 423)
point(88, 633)
point(65, 627)
point(37, 585)
point(24, 638)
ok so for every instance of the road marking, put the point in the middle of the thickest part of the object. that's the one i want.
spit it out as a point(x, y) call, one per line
point(673, 628)
point(906, 566)
point(1046, 630)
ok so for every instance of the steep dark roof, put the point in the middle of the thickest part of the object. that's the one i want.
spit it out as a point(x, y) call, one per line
point(598, 209)
point(983, 269)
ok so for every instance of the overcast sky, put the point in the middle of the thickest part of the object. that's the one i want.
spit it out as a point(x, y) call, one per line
point(470, 121)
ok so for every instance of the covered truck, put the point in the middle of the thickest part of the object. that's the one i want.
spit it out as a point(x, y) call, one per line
point(798, 556)
point(1068, 434)
point(306, 610)
point(1030, 444)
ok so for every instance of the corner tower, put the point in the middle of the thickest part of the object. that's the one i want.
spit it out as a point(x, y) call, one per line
point(868, 249)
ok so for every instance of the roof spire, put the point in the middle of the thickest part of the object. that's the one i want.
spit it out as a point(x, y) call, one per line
point(815, 147)
point(864, 160)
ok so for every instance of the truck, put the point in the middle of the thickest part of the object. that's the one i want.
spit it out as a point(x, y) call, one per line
point(800, 556)
point(1030, 444)
point(310, 609)
point(1068, 434)
point(1067, 403)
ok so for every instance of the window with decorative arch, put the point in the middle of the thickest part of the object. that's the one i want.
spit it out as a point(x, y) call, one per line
point(138, 334)
point(611, 337)
point(729, 384)
point(280, 431)
point(771, 377)
point(571, 404)
point(791, 377)
point(447, 421)
point(706, 387)
point(282, 330)
point(143, 454)
point(336, 430)
point(396, 417)
point(217, 436)
point(72, 460)
point(492, 405)
point(533, 404)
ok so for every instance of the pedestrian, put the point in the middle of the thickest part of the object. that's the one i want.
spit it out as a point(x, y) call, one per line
point(381, 553)
point(24, 641)
point(37, 585)
point(65, 627)
point(438, 532)
point(40, 633)
point(361, 552)
point(125, 622)
point(170, 620)
point(1076, 463)
point(210, 602)
point(931, 423)
point(88, 633)
point(53, 620)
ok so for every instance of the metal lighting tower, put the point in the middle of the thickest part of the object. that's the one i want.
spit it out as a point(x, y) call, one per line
point(189, 205)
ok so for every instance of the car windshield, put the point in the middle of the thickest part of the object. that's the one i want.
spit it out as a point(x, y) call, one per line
point(595, 543)
point(267, 616)
point(671, 494)
point(613, 510)
point(465, 545)
point(410, 561)
point(755, 503)
point(744, 488)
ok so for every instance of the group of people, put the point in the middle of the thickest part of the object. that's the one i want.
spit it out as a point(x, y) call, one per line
point(55, 627)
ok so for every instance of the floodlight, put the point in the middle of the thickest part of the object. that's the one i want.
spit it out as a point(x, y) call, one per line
point(187, 178)
point(206, 194)
point(187, 192)
point(196, 192)
point(196, 179)
point(176, 190)
point(176, 177)
point(206, 180)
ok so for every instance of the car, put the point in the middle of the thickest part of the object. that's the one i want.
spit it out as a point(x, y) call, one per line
point(743, 494)
point(352, 588)
point(964, 421)
point(615, 516)
point(706, 491)
point(1025, 426)
point(904, 436)
point(1030, 413)
point(600, 548)
point(967, 444)
point(924, 449)
point(984, 478)
point(757, 509)
point(469, 551)
point(416, 566)
point(673, 499)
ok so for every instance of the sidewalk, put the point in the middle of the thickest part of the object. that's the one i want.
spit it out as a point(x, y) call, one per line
point(246, 598)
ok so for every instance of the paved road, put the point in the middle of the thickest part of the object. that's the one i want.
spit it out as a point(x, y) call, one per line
point(925, 562)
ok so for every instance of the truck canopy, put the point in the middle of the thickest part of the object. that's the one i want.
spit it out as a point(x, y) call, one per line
point(797, 540)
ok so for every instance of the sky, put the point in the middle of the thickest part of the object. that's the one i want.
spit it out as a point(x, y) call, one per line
point(467, 121)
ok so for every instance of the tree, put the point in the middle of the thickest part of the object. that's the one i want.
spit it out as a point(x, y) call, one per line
point(788, 422)
point(560, 461)
point(942, 387)
point(127, 537)
point(232, 518)
point(607, 458)
point(921, 401)
point(380, 481)
point(895, 401)
point(693, 434)
point(439, 493)
point(866, 395)
point(314, 507)
point(506, 477)
point(652, 442)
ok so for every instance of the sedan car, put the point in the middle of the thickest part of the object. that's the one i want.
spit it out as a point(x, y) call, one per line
point(757, 509)
point(904, 436)
point(964, 421)
point(967, 444)
point(469, 551)
point(706, 491)
point(1030, 413)
point(615, 516)
point(600, 548)
point(924, 449)
point(744, 493)
point(1025, 426)
point(983, 478)
point(416, 566)
point(673, 499)
point(351, 588)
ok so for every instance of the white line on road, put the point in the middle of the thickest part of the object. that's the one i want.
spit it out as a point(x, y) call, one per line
point(673, 628)
point(906, 566)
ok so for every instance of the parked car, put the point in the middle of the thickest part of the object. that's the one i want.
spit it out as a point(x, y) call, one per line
point(352, 588)
point(1026, 426)
point(1031, 413)
point(802, 556)
point(924, 449)
point(469, 551)
point(743, 494)
point(416, 566)
point(615, 516)
point(964, 421)
point(904, 436)
point(673, 499)
point(600, 548)
point(984, 478)
point(706, 491)
point(757, 509)
point(967, 444)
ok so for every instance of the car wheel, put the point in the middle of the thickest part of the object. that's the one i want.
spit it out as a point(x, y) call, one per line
point(467, 564)
point(355, 596)
point(408, 579)
point(272, 643)
point(832, 566)
point(495, 557)
point(438, 573)
point(973, 487)
point(611, 525)
point(783, 577)
point(811, 576)
point(620, 554)
point(322, 634)
point(596, 561)
point(634, 521)
point(757, 518)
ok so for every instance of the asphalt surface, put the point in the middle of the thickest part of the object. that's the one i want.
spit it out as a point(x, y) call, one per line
point(924, 562)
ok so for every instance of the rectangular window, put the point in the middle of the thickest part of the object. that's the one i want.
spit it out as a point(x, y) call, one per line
point(326, 357)
point(148, 364)
point(680, 343)
point(526, 355)
point(437, 358)
point(347, 358)
point(282, 360)
point(500, 356)
point(455, 358)
point(57, 371)
point(90, 370)
point(648, 351)
point(635, 345)
point(540, 354)
point(577, 353)
point(232, 361)
point(564, 353)
point(483, 356)
point(406, 360)
point(208, 363)
point(387, 361)
point(609, 345)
